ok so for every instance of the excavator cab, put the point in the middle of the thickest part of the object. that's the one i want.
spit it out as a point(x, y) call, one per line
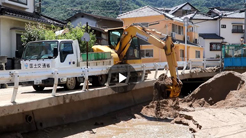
point(133, 52)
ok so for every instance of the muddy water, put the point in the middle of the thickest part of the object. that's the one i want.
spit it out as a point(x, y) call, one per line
point(127, 123)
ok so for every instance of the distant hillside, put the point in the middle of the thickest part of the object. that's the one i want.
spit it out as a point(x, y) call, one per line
point(63, 9)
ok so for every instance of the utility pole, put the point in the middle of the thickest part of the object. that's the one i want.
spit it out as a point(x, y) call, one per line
point(40, 4)
point(244, 22)
point(186, 20)
point(120, 6)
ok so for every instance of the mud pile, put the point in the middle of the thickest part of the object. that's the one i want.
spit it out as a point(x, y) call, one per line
point(226, 89)
point(223, 90)
point(160, 87)
point(162, 109)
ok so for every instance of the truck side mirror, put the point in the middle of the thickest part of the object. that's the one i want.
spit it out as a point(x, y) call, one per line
point(55, 52)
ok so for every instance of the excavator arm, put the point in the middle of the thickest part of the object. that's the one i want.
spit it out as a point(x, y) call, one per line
point(147, 35)
point(119, 50)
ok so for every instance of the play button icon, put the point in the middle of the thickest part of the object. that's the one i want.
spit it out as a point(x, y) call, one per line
point(121, 77)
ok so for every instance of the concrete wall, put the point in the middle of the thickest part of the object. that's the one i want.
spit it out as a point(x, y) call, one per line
point(8, 36)
point(70, 109)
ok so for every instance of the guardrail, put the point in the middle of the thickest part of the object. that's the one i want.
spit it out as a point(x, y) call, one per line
point(17, 76)
point(204, 63)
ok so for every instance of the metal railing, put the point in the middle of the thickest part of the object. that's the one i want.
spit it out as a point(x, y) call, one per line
point(17, 76)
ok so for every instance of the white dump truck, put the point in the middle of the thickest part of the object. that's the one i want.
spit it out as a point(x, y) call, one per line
point(40, 55)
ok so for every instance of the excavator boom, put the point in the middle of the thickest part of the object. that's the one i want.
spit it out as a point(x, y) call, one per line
point(167, 45)
point(145, 34)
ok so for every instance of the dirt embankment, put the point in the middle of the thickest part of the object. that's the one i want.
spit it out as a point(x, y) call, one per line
point(224, 90)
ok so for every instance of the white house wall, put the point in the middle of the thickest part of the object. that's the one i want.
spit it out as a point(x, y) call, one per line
point(205, 43)
point(202, 44)
point(8, 37)
point(91, 21)
point(210, 26)
point(227, 32)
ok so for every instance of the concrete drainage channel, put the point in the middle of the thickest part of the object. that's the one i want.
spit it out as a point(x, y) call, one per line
point(69, 108)
point(71, 111)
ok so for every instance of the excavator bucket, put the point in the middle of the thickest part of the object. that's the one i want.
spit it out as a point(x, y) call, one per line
point(164, 88)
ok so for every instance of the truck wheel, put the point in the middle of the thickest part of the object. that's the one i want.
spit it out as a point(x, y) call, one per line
point(99, 80)
point(70, 84)
point(38, 87)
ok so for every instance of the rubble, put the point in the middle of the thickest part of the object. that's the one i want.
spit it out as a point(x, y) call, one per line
point(225, 90)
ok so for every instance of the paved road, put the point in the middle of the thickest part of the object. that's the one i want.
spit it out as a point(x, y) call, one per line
point(27, 93)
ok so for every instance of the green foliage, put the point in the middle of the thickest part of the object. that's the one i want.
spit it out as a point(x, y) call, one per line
point(35, 32)
point(63, 9)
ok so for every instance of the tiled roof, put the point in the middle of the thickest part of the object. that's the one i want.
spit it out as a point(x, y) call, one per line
point(176, 8)
point(199, 16)
point(6, 11)
point(234, 15)
point(141, 12)
point(227, 13)
point(210, 36)
point(92, 15)
point(148, 11)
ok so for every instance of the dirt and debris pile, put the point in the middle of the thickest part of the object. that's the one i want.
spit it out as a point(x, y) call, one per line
point(162, 109)
point(224, 89)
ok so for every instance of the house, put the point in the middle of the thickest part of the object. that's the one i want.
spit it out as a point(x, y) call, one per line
point(165, 23)
point(180, 10)
point(218, 26)
point(14, 14)
point(97, 23)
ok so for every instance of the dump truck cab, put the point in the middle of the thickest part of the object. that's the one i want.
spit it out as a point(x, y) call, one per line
point(58, 54)
point(51, 54)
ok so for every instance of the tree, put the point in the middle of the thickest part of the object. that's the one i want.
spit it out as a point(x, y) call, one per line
point(37, 31)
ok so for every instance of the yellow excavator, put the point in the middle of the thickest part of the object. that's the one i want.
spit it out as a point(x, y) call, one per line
point(124, 48)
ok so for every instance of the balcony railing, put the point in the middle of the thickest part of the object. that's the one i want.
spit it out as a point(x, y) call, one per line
point(237, 31)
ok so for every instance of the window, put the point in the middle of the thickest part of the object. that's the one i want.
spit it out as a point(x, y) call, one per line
point(177, 29)
point(223, 26)
point(198, 54)
point(20, 1)
point(185, 12)
point(182, 54)
point(133, 51)
point(195, 41)
point(147, 53)
point(215, 46)
point(237, 29)
point(66, 48)
point(114, 37)
point(39, 50)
